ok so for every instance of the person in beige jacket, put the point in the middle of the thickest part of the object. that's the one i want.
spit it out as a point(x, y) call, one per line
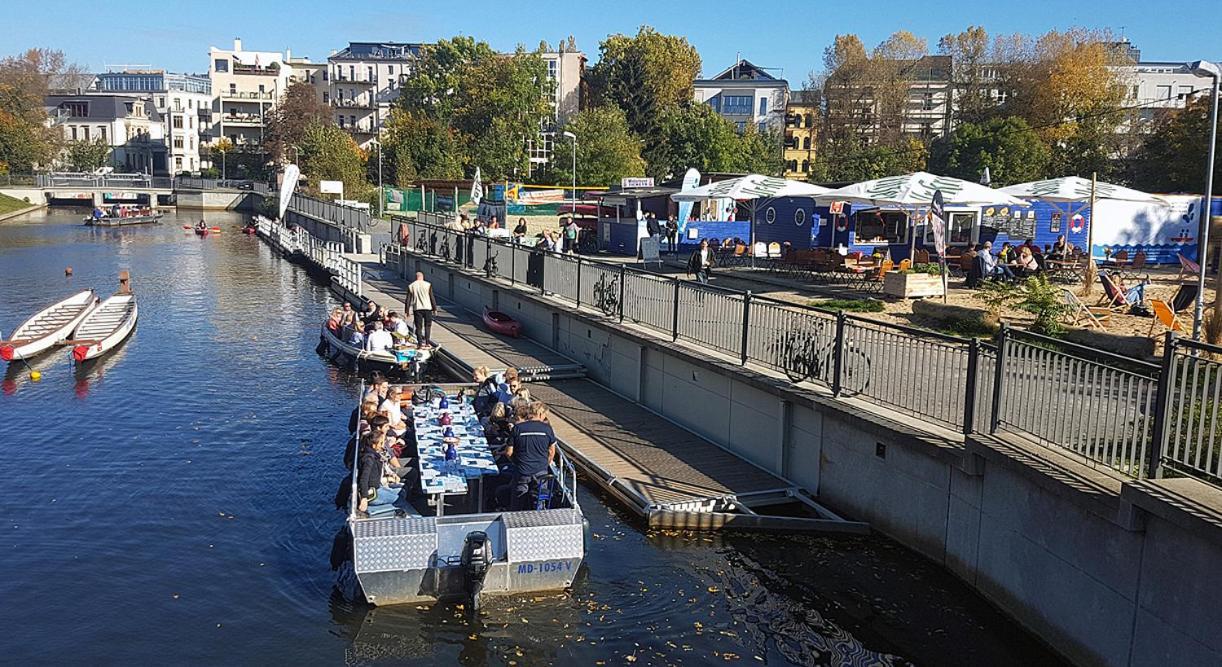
point(420, 304)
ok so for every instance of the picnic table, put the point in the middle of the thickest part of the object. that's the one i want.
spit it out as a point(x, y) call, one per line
point(475, 460)
point(1065, 270)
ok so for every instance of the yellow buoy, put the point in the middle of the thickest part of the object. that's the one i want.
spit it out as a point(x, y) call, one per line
point(36, 375)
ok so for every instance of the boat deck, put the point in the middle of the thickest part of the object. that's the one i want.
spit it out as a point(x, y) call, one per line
point(668, 475)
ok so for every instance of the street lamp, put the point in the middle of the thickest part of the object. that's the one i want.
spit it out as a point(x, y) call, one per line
point(573, 212)
point(1206, 68)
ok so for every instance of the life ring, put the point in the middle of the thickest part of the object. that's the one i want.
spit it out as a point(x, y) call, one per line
point(1077, 223)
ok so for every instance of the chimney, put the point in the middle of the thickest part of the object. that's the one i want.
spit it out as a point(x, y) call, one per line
point(288, 55)
point(237, 43)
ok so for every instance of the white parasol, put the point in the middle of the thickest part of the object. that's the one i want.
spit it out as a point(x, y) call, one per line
point(916, 190)
point(1076, 188)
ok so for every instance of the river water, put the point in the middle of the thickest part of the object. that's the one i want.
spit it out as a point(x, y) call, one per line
point(174, 504)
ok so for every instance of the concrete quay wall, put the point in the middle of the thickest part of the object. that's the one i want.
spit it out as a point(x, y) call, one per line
point(1108, 571)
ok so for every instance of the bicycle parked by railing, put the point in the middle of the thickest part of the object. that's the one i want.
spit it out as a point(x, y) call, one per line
point(606, 294)
point(802, 356)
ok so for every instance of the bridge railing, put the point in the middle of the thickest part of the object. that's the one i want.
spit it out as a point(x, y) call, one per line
point(1130, 416)
point(345, 216)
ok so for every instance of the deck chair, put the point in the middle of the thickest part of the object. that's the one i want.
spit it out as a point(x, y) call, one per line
point(1079, 311)
point(921, 257)
point(1139, 261)
point(774, 249)
point(1165, 315)
point(1189, 269)
point(1185, 297)
point(1116, 297)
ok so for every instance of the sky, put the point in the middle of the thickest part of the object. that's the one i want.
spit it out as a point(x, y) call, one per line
point(788, 35)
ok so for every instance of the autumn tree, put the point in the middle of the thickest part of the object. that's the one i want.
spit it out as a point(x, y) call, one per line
point(415, 146)
point(1171, 158)
point(971, 54)
point(1007, 147)
point(26, 138)
point(286, 125)
point(645, 75)
point(606, 150)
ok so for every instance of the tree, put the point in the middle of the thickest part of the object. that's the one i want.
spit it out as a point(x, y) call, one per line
point(86, 155)
point(329, 154)
point(759, 152)
point(606, 150)
point(645, 75)
point(286, 125)
point(869, 161)
point(414, 146)
point(26, 138)
point(1172, 157)
point(692, 135)
point(1008, 147)
point(221, 147)
point(970, 54)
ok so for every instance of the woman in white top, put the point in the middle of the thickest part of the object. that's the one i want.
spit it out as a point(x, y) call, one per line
point(392, 409)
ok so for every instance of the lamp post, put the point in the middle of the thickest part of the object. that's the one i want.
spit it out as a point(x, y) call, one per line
point(1206, 68)
point(573, 212)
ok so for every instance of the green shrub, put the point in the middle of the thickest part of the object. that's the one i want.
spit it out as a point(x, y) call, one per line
point(1038, 297)
point(850, 305)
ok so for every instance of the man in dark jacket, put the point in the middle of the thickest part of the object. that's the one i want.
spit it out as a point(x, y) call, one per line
point(701, 262)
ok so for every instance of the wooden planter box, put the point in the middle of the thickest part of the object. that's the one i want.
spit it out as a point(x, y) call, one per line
point(911, 285)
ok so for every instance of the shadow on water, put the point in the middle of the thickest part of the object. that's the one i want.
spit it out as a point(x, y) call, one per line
point(178, 506)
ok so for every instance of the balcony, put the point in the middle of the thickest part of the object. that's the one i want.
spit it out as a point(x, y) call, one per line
point(354, 104)
point(255, 70)
point(355, 82)
point(249, 119)
point(252, 96)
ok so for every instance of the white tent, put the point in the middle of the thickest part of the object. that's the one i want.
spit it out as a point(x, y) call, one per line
point(751, 186)
point(1076, 188)
point(916, 190)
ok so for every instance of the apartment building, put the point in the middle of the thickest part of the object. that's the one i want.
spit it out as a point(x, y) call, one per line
point(184, 103)
point(566, 68)
point(246, 85)
point(928, 110)
point(1157, 87)
point(801, 133)
point(365, 79)
point(129, 124)
point(746, 94)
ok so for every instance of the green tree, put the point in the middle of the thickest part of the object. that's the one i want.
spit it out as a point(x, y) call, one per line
point(286, 125)
point(1172, 157)
point(863, 161)
point(692, 135)
point(645, 75)
point(86, 155)
point(759, 152)
point(606, 150)
point(1008, 147)
point(329, 154)
point(415, 146)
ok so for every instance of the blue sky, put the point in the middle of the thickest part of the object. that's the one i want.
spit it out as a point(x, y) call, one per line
point(786, 34)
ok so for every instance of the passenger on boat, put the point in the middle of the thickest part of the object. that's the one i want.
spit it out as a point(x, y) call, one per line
point(378, 387)
point(357, 337)
point(398, 327)
point(531, 450)
point(392, 409)
point(346, 316)
point(379, 340)
point(361, 414)
point(497, 427)
point(487, 387)
point(372, 477)
point(370, 313)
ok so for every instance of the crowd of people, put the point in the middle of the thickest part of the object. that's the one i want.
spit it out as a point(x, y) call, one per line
point(1011, 263)
point(382, 441)
point(378, 330)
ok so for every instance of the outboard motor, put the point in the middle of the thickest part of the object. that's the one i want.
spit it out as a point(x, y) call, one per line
point(476, 559)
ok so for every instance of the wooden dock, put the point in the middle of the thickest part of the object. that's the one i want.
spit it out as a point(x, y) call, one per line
point(666, 474)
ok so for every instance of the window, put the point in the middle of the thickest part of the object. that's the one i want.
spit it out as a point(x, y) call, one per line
point(1162, 92)
point(73, 129)
point(325, 97)
point(233, 89)
point(736, 105)
point(805, 166)
point(1185, 91)
point(352, 72)
point(927, 102)
point(324, 75)
point(220, 65)
point(178, 163)
point(341, 120)
point(390, 70)
point(178, 143)
point(191, 122)
point(102, 132)
point(77, 109)
point(881, 227)
point(260, 89)
point(714, 102)
point(799, 217)
point(370, 75)
point(763, 106)
point(960, 226)
point(161, 103)
point(177, 122)
point(770, 215)
point(762, 126)
point(85, 130)
point(806, 143)
point(741, 126)
point(190, 103)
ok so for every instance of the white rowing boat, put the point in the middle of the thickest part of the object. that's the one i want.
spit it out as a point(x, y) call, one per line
point(48, 327)
point(105, 328)
point(403, 359)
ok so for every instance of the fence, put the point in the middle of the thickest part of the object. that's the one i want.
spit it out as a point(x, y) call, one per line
point(1133, 417)
point(194, 183)
point(352, 218)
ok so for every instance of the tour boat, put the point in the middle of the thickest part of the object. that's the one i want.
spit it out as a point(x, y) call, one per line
point(409, 360)
point(105, 328)
point(127, 215)
point(501, 323)
point(48, 327)
point(446, 536)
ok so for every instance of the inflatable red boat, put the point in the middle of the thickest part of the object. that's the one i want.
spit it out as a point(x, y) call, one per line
point(501, 323)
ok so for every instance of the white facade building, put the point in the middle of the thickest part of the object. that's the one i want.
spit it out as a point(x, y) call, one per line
point(1155, 87)
point(246, 85)
point(364, 82)
point(184, 104)
point(746, 95)
point(565, 69)
point(127, 123)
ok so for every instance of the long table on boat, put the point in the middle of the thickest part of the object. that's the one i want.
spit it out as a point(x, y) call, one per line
point(475, 460)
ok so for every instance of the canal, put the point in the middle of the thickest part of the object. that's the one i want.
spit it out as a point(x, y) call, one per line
point(174, 504)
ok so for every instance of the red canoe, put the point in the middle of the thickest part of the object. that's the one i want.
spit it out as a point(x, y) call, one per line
point(501, 323)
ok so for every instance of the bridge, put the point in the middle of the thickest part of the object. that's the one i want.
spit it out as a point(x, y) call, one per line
point(103, 189)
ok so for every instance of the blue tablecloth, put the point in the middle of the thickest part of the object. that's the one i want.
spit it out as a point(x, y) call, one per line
point(474, 457)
